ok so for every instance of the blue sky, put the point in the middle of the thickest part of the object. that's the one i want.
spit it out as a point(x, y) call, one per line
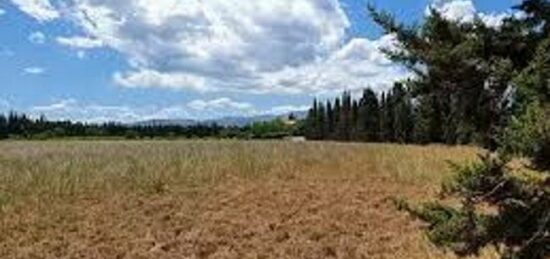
point(128, 61)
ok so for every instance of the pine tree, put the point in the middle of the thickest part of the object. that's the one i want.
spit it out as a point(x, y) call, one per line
point(3, 127)
point(337, 119)
point(403, 120)
point(383, 132)
point(347, 120)
point(452, 62)
point(344, 124)
point(429, 123)
point(354, 120)
point(312, 122)
point(473, 77)
point(387, 130)
point(330, 121)
point(369, 116)
point(321, 122)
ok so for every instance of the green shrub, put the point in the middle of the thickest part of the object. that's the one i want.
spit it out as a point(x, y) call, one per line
point(520, 221)
point(541, 156)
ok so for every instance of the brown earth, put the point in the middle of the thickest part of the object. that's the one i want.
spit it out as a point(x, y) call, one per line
point(317, 201)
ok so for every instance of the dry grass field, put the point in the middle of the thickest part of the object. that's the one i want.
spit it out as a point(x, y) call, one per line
point(216, 199)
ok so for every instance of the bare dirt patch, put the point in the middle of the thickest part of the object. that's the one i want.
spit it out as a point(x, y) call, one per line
point(329, 204)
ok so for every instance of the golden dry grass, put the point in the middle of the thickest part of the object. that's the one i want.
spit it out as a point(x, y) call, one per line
point(216, 199)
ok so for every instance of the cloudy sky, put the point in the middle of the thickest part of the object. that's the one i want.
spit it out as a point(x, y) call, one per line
point(132, 60)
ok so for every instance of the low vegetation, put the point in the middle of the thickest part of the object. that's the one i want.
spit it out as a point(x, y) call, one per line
point(160, 199)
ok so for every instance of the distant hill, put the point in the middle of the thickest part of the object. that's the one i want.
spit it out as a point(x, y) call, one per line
point(236, 121)
point(175, 122)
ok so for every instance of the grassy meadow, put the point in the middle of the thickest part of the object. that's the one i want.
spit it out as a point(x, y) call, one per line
point(216, 199)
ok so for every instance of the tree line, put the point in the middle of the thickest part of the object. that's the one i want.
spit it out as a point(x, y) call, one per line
point(20, 126)
point(388, 117)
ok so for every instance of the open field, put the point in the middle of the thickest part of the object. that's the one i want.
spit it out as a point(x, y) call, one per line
point(216, 199)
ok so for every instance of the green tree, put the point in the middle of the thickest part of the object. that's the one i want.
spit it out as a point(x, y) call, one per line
point(330, 121)
point(312, 122)
point(337, 118)
point(345, 123)
point(387, 120)
point(453, 82)
point(369, 116)
point(429, 123)
point(490, 85)
point(403, 120)
point(321, 121)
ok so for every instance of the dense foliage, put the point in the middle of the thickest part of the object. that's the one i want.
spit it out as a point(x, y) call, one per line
point(390, 118)
point(470, 80)
point(20, 126)
point(475, 83)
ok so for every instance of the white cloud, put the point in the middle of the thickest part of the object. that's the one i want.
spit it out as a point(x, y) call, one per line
point(223, 107)
point(34, 70)
point(464, 11)
point(41, 10)
point(493, 20)
point(37, 37)
point(260, 46)
point(61, 105)
point(2, 11)
point(357, 65)
point(71, 109)
point(152, 78)
point(219, 104)
point(455, 10)
point(80, 42)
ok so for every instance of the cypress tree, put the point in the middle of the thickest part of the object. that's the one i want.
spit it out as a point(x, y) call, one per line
point(321, 121)
point(337, 119)
point(369, 116)
point(354, 120)
point(387, 117)
point(3, 127)
point(345, 120)
point(330, 120)
point(312, 130)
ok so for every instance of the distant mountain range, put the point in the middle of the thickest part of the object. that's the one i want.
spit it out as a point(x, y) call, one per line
point(224, 121)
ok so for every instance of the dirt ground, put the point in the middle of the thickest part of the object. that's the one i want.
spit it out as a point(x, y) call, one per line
point(348, 215)
point(299, 219)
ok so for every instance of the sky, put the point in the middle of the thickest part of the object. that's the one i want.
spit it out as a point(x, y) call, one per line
point(136, 60)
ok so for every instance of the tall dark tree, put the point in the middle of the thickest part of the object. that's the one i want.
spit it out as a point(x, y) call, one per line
point(453, 72)
point(354, 120)
point(3, 127)
point(488, 85)
point(403, 117)
point(429, 123)
point(369, 116)
point(329, 120)
point(387, 132)
point(313, 131)
point(345, 123)
point(321, 121)
point(337, 119)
